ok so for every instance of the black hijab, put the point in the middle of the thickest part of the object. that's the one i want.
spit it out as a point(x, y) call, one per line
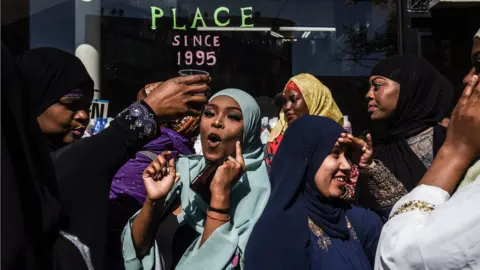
point(50, 74)
point(30, 205)
point(425, 95)
point(280, 238)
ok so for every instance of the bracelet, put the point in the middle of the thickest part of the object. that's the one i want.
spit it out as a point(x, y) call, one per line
point(217, 219)
point(220, 211)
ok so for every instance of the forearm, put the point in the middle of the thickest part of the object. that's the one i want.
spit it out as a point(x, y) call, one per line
point(447, 170)
point(215, 220)
point(383, 185)
point(144, 227)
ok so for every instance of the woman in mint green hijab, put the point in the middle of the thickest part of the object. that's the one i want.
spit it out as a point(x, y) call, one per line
point(230, 136)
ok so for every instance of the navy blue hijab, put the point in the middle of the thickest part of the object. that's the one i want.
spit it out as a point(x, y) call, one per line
point(280, 239)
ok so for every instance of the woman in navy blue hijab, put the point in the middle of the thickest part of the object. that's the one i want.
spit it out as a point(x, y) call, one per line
point(305, 224)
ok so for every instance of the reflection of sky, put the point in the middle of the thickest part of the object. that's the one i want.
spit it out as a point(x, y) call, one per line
point(320, 54)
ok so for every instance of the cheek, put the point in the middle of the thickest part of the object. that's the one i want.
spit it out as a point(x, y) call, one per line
point(387, 99)
point(300, 108)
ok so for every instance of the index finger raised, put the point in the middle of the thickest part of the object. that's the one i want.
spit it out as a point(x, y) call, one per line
point(239, 155)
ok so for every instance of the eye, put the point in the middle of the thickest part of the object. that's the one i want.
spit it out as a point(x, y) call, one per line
point(376, 86)
point(209, 114)
point(335, 153)
point(293, 99)
point(235, 117)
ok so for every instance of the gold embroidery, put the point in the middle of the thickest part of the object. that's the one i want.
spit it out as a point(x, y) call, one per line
point(323, 240)
point(414, 205)
point(353, 234)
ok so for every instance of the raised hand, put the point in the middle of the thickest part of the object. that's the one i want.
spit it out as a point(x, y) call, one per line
point(364, 154)
point(179, 96)
point(159, 177)
point(463, 133)
point(228, 173)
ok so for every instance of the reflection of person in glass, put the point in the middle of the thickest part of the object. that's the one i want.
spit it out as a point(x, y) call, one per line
point(214, 234)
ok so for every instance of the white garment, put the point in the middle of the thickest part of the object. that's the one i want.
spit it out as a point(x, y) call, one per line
point(446, 238)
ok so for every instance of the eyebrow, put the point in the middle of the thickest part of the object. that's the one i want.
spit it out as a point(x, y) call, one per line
point(227, 108)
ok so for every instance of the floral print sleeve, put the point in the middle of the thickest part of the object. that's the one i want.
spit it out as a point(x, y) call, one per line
point(236, 263)
point(383, 185)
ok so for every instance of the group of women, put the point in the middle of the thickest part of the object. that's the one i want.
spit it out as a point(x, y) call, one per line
point(282, 206)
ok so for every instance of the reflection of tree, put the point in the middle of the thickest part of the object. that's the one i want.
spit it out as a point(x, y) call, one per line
point(360, 48)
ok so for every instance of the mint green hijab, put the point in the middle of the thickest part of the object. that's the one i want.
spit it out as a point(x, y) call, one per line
point(249, 196)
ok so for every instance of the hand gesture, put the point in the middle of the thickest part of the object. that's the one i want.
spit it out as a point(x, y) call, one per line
point(463, 132)
point(363, 156)
point(159, 177)
point(179, 96)
point(228, 173)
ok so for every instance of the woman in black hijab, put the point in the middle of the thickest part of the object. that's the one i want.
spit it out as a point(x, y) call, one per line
point(61, 92)
point(407, 98)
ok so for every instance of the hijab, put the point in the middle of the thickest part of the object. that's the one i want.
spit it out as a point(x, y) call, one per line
point(280, 239)
point(249, 195)
point(30, 202)
point(51, 74)
point(424, 97)
point(318, 98)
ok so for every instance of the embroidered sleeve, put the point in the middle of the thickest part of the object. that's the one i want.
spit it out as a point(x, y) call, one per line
point(414, 206)
point(140, 119)
point(383, 185)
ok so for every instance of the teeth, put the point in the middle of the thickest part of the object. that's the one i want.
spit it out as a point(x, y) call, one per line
point(341, 179)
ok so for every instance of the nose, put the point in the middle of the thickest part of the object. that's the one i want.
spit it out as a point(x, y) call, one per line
point(344, 164)
point(370, 95)
point(217, 123)
point(81, 115)
point(287, 105)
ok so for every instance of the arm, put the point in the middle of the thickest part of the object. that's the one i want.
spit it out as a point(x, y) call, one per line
point(383, 185)
point(425, 231)
point(84, 173)
point(144, 226)
point(215, 220)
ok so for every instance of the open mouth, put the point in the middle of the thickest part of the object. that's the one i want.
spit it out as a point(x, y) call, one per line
point(213, 140)
point(341, 179)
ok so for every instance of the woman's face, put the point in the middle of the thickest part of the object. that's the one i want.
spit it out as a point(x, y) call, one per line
point(333, 173)
point(382, 97)
point(66, 120)
point(220, 128)
point(294, 105)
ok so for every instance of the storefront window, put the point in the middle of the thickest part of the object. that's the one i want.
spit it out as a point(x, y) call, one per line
point(253, 45)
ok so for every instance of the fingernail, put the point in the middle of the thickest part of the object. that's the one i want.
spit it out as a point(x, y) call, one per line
point(474, 78)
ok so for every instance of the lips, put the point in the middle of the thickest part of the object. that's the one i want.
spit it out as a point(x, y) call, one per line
point(78, 132)
point(372, 108)
point(213, 140)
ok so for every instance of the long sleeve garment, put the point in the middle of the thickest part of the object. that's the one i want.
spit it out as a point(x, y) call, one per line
point(84, 173)
point(429, 230)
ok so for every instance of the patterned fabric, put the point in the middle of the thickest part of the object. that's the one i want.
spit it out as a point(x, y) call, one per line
point(383, 185)
point(272, 150)
point(422, 146)
point(414, 206)
point(351, 185)
point(142, 119)
point(318, 98)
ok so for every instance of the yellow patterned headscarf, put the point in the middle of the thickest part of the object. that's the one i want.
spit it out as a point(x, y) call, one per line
point(319, 101)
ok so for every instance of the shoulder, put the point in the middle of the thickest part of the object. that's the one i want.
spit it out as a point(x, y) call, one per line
point(364, 217)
